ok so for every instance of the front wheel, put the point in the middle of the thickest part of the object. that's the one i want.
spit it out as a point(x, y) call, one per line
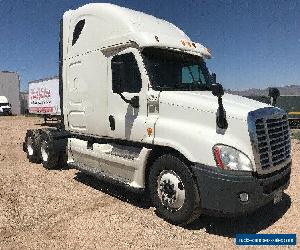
point(173, 190)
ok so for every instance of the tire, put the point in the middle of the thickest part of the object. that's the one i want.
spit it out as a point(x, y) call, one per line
point(48, 154)
point(63, 159)
point(32, 146)
point(173, 191)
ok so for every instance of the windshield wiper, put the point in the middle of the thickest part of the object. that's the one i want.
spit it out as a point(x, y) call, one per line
point(160, 88)
point(184, 87)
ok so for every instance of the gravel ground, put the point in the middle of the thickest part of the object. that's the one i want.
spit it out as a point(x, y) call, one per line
point(53, 209)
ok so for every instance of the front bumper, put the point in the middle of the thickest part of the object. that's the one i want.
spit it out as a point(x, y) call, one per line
point(220, 189)
point(5, 111)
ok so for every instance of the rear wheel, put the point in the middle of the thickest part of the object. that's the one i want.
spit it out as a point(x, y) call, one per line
point(32, 146)
point(49, 155)
point(173, 190)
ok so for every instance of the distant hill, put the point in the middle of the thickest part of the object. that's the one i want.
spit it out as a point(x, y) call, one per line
point(286, 90)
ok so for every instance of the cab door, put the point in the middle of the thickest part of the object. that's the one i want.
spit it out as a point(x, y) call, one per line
point(129, 86)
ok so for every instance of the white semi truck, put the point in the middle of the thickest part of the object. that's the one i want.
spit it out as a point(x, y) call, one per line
point(141, 109)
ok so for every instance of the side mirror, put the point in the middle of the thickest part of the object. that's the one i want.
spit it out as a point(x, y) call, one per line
point(135, 102)
point(217, 89)
point(274, 93)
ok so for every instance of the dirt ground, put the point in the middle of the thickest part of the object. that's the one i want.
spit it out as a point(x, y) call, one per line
point(65, 209)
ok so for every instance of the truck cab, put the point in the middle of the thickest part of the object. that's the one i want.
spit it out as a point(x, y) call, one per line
point(141, 109)
point(5, 107)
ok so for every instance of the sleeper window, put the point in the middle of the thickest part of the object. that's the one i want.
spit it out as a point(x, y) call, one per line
point(77, 31)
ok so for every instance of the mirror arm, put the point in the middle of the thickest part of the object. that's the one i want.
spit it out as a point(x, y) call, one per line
point(131, 102)
point(124, 99)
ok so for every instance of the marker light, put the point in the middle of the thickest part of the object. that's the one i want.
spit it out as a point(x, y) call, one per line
point(149, 131)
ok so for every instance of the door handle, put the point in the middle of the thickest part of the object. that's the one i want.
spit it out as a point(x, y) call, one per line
point(112, 122)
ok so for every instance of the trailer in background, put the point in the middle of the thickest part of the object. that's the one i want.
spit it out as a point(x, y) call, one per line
point(44, 99)
point(289, 103)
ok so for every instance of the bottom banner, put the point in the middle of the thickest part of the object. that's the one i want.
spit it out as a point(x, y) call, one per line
point(265, 239)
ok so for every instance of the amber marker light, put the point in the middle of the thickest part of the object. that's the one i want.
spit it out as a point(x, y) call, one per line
point(149, 131)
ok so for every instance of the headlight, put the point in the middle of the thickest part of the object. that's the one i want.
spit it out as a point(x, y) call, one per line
point(230, 158)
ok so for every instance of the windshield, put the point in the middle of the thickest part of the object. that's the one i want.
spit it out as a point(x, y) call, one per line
point(172, 70)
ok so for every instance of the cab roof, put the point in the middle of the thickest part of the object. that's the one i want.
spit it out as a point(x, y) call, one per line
point(3, 99)
point(107, 25)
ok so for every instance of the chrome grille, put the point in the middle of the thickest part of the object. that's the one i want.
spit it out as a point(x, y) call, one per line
point(271, 139)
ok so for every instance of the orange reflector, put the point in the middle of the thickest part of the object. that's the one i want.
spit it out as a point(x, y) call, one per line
point(149, 131)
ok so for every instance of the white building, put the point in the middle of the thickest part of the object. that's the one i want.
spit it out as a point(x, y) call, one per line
point(10, 87)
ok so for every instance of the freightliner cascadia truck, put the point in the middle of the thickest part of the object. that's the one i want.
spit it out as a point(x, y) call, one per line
point(141, 109)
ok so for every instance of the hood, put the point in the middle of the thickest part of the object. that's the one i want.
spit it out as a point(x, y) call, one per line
point(235, 106)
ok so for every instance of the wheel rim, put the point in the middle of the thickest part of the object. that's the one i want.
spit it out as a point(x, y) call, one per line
point(30, 146)
point(171, 190)
point(44, 151)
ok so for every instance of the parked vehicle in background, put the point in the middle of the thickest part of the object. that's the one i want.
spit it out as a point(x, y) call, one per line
point(43, 98)
point(5, 107)
point(141, 109)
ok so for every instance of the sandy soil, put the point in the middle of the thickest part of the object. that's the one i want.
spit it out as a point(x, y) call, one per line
point(59, 209)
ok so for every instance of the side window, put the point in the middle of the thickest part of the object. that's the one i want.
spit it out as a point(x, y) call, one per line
point(126, 76)
point(77, 31)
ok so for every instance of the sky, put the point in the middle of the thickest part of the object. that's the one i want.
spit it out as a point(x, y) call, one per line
point(255, 44)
